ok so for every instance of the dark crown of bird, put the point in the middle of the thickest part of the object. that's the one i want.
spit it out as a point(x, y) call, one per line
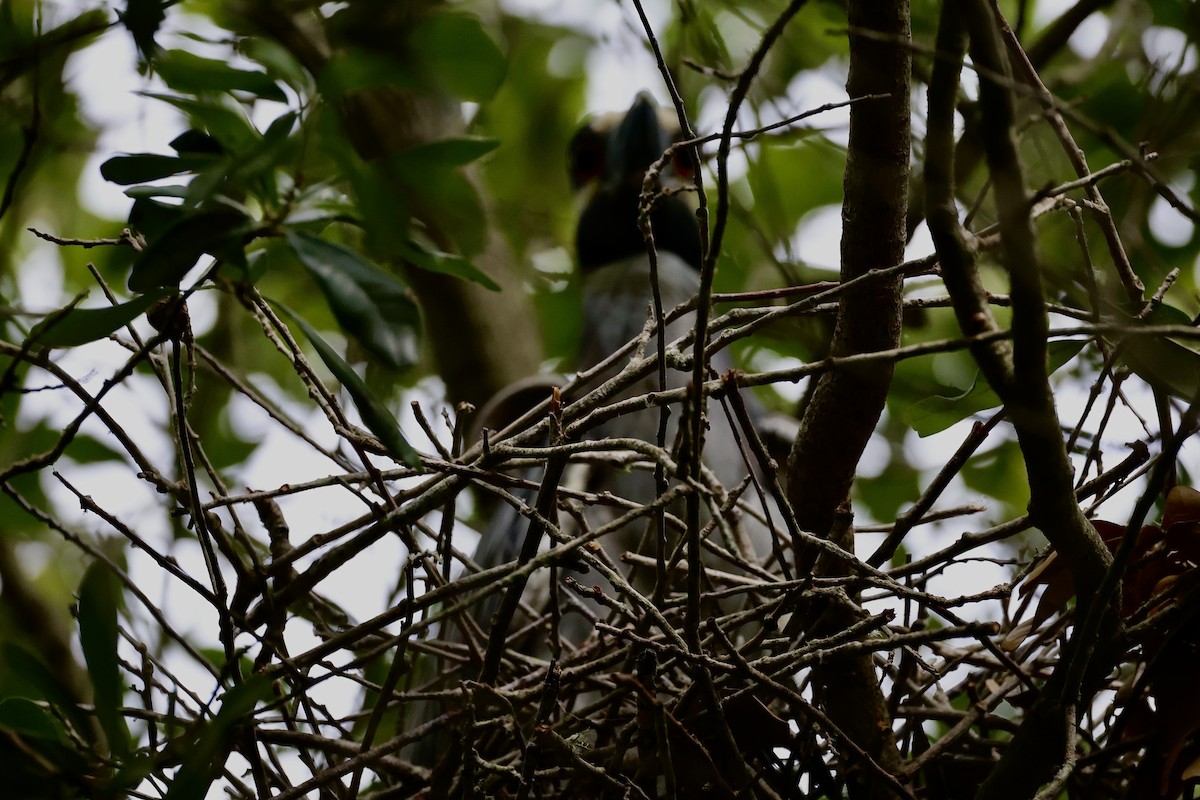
point(608, 159)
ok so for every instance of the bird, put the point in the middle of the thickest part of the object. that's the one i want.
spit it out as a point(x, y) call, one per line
point(611, 161)
point(608, 159)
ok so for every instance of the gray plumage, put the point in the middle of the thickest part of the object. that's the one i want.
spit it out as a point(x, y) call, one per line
point(610, 160)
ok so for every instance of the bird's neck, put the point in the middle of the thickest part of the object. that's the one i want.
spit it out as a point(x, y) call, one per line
point(608, 230)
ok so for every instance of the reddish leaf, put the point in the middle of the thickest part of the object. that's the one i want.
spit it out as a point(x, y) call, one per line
point(1183, 505)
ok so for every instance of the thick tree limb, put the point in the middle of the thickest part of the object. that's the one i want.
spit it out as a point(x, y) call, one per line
point(846, 404)
point(1028, 398)
point(1021, 377)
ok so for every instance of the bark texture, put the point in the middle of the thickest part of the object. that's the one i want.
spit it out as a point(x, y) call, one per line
point(846, 404)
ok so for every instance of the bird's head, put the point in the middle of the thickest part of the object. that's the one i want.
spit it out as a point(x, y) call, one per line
point(608, 159)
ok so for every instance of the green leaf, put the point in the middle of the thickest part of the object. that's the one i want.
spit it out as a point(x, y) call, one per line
point(27, 718)
point(265, 156)
point(216, 656)
point(277, 60)
point(219, 115)
point(445, 193)
point(458, 56)
point(936, 414)
point(44, 684)
point(189, 73)
point(318, 205)
point(142, 167)
point(40, 760)
point(194, 141)
point(383, 205)
point(129, 776)
point(357, 69)
point(279, 129)
point(218, 177)
point(147, 191)
point(142, 19)
point(76, 326)
point(1164, 364)
point(885, 494)
point(793, 175)
point(446, 153)
point(169, 257)
point(999, 473)
point(151, 218)
point(236, 173)
point(99, 595)
point(90, 450)
point(427, 257)
point(371, 305)
point(204, 760)
point(273, 254)
point(375, 414)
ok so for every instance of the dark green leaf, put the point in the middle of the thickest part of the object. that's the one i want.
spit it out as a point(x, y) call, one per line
point(76, 326)
point(793, 176)
point(272, 255)
point(357, 69)
point(129, 776)
point(142, 19)
point(40, 761)
point(194, 141)
point(375, 414)
point(169, 257)
point(43, 683)
point(151, 218)
point(204, 761)
point(27, 718)
point(99, 595)
point(371, 305)
point(219, 115)
point(219, 177)
point(384, 208)
point(266, 155)
point(1179, 14)
point(1164, 364)
point(999, 473)
point(885, 494)
point(458, 56)
point(431, 172)
point(447, 153)
point(427, 257)
point(280, 128)
point(142, 167)
point(90, 450)
point(277, 60)
point(448, 195)
point(937, 413)
point(189, 73)
point(216, 657)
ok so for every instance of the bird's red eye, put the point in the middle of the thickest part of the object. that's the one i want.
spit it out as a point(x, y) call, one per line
point(684, 163)
point(586, 157)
